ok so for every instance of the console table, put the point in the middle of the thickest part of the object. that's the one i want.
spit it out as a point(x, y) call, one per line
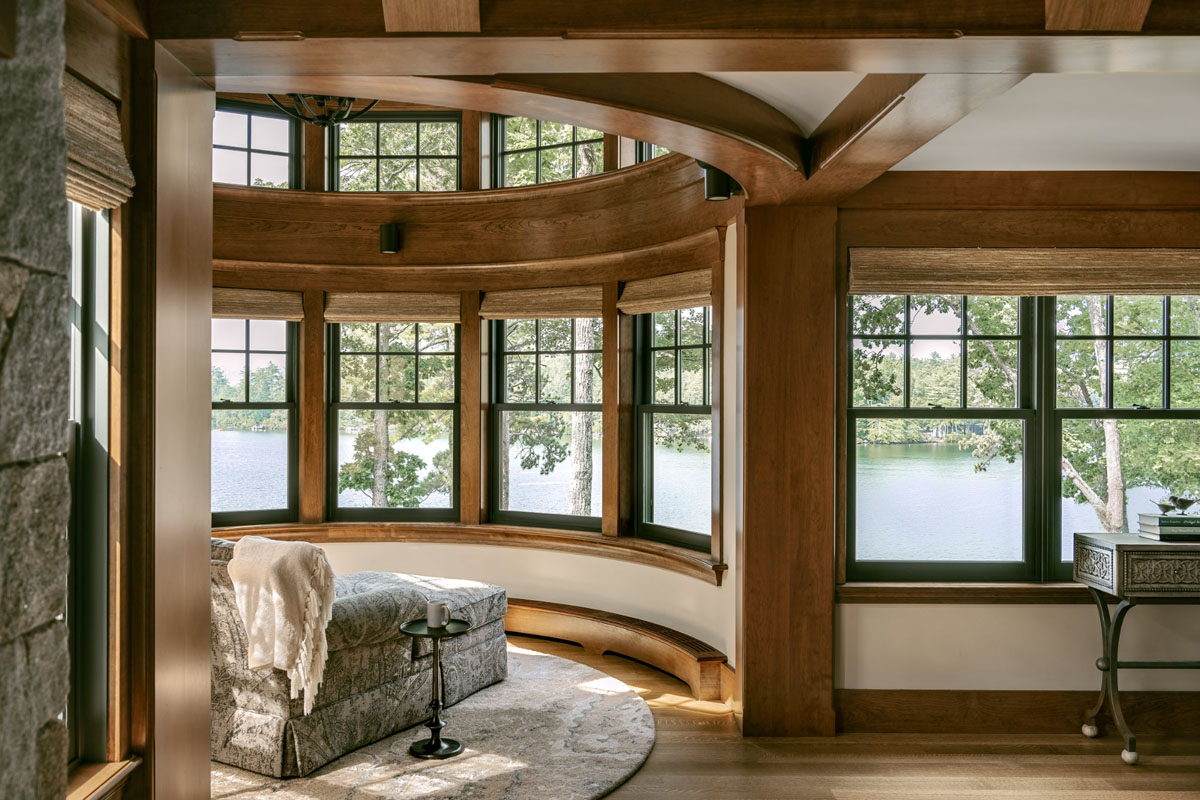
point(1135, 571)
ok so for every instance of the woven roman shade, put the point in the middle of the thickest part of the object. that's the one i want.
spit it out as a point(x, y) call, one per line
point(393, 307)
point(667, 293)
point(558, 303)
point(98, 174)
point(257, 304)
point(1023, 271)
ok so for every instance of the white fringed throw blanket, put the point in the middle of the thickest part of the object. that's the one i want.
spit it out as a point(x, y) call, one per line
point(285, 598)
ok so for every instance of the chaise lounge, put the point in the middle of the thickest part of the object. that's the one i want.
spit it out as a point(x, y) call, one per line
point(376, 679)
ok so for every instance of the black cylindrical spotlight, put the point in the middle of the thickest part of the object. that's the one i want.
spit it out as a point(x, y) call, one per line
point(391, 237)
point(717, 184)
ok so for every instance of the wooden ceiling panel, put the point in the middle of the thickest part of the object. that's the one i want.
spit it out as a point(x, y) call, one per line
point(1096, 15)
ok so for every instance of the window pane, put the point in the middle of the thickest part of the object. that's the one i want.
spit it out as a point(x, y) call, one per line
point(993, 316)
point(555, 377)
point(583, 134)
point(878, 314)
point(270, 133)
point(1138, 316)
point(268, 378)
point(1185, 315)
point(228, 334)
point(519, 133)
point(356, 139)
point(691, 325)
point(1137, 373)
point(681, 465)
point(229, 166)
point(588, 383)
point(554, 334)
point(398, 175)
point(439, 138)
point(1185, 374)
point(556, 164)
point(589, 333)
point(439, 174)
point(270, 172)
point(992, 368)
point(520, 169)
point(1080, 377)
point(1158, 458)
point(395, 459)
point(935, 374)
point(437, 379)
point(519, 379)
point(555, 133)
point(358, 379)
point(938, 490)
point(520, 335)
point(229, 128)
point(397, 138)
point(935, 314)
point(358, 337)
point(397, 337)
point(398, 380)
point(664, 377)
point(691, 375)
point(436, 337)
point(1084, 315)
point(550, 462)
point(229, 377)
point(589, 159)
point(664, 328)
point(267, 334)
point(356, 175)
point(878, 369)
point(249, 460)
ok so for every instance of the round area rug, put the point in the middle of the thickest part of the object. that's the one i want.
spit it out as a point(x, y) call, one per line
point(553, 730)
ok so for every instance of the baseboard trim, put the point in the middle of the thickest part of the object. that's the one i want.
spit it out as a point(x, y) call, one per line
point(984, 711)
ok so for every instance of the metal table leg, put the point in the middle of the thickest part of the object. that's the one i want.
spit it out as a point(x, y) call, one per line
point(1109, 666)
point(1090, 729)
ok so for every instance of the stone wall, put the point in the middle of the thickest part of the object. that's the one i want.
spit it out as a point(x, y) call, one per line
point(34, 490)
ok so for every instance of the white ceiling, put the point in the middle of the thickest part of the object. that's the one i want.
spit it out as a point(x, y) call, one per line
point(1075, 122)
point(805, 97)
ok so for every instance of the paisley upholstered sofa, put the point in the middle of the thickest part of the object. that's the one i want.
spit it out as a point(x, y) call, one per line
point(377, 681)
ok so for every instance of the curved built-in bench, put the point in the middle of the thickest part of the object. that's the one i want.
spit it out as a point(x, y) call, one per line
point(699, 665)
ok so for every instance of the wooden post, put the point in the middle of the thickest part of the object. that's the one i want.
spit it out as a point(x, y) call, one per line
point(311, 467)
point(617, 440)
point(470, 467)
point(313, 153)
point(472, 151)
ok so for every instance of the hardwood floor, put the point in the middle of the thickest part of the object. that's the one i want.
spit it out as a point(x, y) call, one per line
point(699, 754)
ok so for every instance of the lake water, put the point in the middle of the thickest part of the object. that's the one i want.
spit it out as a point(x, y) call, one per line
point(249, 470)
point(919, 502)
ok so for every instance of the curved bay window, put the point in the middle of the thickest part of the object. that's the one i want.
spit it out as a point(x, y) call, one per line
point(674, 426)
point(397, 152)
point(393, 414)
point(546, 454)
point(530, 151)
point(253, 421)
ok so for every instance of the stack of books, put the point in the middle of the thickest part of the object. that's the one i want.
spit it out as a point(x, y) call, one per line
point(1169, 527)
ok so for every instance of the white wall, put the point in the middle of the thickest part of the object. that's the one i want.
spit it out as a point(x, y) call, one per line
point(1048, 647)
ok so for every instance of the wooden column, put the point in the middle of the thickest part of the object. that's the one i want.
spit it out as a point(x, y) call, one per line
point(617, 439)
point(167, 418)
point(472, 152)
point(612, 152)
point(311, 465)
point(717, 397)
point(470, 457)
point(786, 662)
point(313, 166)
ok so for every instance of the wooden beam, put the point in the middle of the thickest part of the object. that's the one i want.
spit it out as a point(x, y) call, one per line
point(470, 471)
point(612, 154)
point(867, 104)
point(127, 14)
point(424, 16)
point(312, 408)
point(97, 49)
point(1096, 15)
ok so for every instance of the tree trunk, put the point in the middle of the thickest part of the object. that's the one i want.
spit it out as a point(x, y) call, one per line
point(382, 449)
point(502, 459)
point(1112, 516)
point(580, 496)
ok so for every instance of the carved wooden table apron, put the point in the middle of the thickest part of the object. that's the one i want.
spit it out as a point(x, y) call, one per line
point(1135, 571)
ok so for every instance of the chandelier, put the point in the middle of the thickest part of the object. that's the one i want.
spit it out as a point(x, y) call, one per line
point(321, 110)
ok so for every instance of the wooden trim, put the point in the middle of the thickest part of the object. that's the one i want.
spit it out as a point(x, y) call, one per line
point(311, 466)
point(483, 364)
point(694, 662)
point(638, 551)
point(1024, 271)
point(470, 466)
point(614, 469)
point(670, 292)
point(313, 172)
point(717, 399)
point(1096, 15)
point(125, 13)
point(564, 302)
point(612, 152)
point(257, 304)
point(854, 116)
point(471, 151)
point(729, 684)
point(970, 593)
point(990, 711)
point(626, 410)
point(100, 781)
point(431, 16)
point(393, 307)
point(118, 529)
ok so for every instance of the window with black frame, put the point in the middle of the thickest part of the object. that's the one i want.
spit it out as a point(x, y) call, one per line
point(546, 452)
point(394, 421)
point(530, 151)
point(674, 426)
point(397, 152)
point(253, 421)
point(253, 146)
point(647, 151)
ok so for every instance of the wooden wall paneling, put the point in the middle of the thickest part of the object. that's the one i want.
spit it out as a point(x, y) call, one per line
point(470, 465)
point(167, 422)
point(787, 561)
point(406, 16)
point(312, 417)
point(313, 171)
point(97, 48)
point(716, 389)
point(1096, 15)
point(612, 152)
point(472, 151)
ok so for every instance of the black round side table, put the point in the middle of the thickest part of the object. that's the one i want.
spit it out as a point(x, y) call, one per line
point(435, 746)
